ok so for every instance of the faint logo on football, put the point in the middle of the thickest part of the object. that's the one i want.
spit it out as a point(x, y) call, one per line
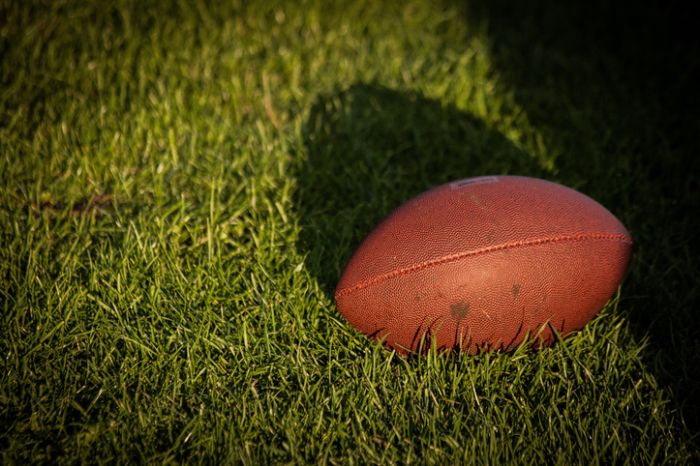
point(473, 181)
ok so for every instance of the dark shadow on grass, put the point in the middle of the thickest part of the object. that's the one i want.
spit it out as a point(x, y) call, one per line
point(614, 86)
point(369, 149)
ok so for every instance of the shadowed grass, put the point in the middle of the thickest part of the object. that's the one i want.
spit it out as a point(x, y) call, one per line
point(180, 187)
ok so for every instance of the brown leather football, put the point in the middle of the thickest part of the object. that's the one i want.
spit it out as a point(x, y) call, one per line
point(483, 263)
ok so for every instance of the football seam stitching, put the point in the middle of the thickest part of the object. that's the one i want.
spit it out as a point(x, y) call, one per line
point(461, 255)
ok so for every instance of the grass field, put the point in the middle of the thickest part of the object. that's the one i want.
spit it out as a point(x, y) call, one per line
point(182, 183)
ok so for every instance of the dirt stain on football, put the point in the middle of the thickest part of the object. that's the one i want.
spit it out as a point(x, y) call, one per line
point(515, 290)
point(459, 310)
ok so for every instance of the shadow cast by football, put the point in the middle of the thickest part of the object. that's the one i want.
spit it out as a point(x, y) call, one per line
point(369, 149)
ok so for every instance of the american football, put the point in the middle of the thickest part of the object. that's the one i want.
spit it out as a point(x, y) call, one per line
point(483, 264)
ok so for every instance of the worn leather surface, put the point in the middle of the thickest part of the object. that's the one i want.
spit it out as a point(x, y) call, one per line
point(482, 263)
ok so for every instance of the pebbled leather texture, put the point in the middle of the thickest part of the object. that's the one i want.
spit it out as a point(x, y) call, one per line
point(481, 263)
